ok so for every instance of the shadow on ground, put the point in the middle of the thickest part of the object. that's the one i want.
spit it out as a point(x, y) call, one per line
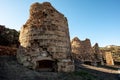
point(10, 69)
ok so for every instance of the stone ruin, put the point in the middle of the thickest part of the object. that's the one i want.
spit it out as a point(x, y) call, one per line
point(45, 41)
point(114, 51)
point(98, 54)
point(108, 56)
point(82, 50)
point(85, 53)
point(109, 59)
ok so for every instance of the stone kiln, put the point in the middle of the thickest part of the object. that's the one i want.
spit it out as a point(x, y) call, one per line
point(85, 53)
point(44, 40)
point(82, 50)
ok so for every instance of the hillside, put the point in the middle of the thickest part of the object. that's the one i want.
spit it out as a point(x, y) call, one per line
point(8, 37)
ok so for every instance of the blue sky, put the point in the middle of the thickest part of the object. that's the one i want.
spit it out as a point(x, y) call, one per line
point(98, 20)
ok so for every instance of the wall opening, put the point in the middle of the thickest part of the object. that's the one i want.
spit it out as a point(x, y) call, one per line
point(46, 65)
point(87, 62)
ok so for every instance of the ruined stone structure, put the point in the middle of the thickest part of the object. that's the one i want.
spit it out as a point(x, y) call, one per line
point(82, 50)
point(115, 51)
point(109, 59)
point(44, 40)
point(98, 54)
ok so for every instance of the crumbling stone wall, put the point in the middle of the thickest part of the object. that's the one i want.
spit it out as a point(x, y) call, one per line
point(109, 58)
point(115, 50)
point(82, 50)
point(98, 54)
point(45, 36)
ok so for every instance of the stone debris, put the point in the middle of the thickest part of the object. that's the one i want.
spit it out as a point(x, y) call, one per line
point(45, 41)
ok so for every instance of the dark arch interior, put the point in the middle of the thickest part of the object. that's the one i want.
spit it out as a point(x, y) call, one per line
point(87, 62)
point(46, 65)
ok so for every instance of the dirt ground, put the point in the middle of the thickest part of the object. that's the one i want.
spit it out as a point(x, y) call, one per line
point(10, 69)
point(103, 73)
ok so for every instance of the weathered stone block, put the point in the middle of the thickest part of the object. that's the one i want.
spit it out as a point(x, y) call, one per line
point(109, 59)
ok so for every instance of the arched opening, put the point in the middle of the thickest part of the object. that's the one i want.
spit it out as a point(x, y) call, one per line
point(46, 65)
point(87, 62)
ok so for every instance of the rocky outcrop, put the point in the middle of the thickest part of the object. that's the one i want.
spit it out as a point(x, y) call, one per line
point(44, 39)
point(82, 50)
point(8, 37)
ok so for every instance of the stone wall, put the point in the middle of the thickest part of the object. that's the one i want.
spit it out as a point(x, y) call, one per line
point(98, 54)
point(82, 50)
point(109, 59)
point(115, 50)
point(45, 36)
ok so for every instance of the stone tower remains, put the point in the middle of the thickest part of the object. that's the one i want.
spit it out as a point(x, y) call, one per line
point(98, 54)
point(45, 41)
point(82, 50)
